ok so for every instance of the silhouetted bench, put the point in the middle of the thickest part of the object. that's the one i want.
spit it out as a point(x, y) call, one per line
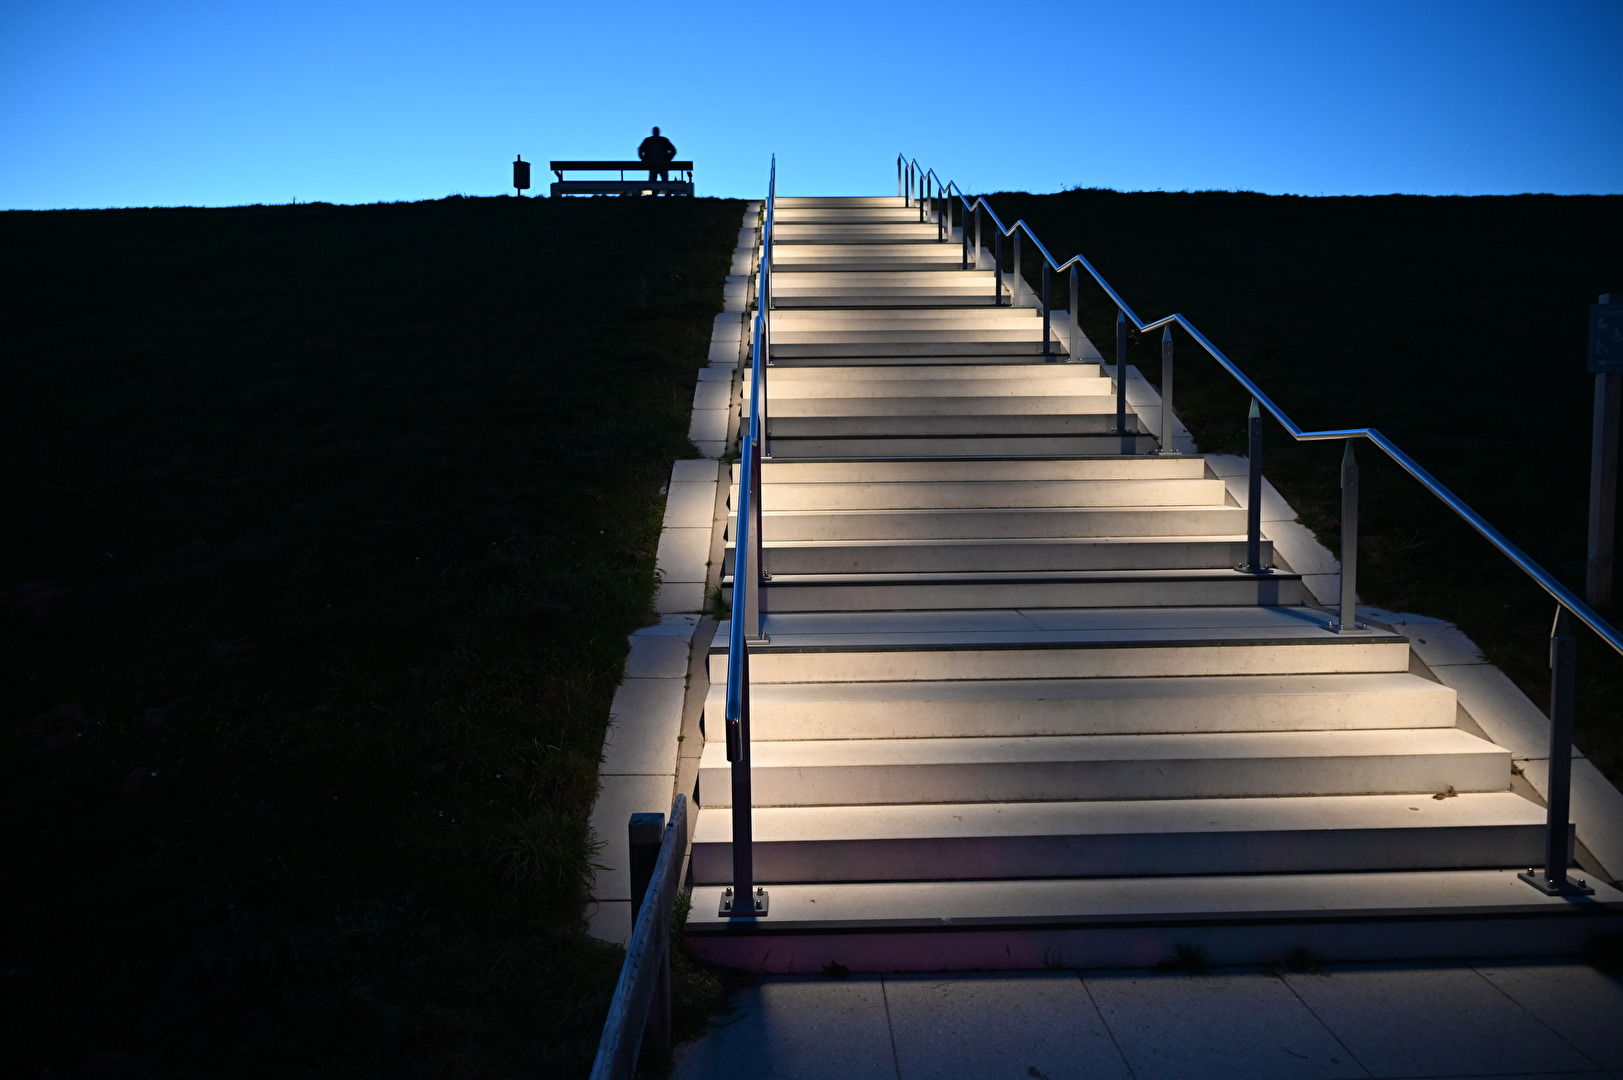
point(622, 186)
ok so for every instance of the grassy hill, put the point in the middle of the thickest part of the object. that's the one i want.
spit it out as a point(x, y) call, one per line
point(1455, 325)
point(325, 528)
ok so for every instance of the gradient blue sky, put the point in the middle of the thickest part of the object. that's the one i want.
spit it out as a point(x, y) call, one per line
point(219, 102)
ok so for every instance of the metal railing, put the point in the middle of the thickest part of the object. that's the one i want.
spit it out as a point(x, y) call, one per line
point(642, 998)
point(936, 198)
point(744, 899)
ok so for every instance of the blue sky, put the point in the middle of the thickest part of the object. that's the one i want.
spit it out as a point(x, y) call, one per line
point(219, 102)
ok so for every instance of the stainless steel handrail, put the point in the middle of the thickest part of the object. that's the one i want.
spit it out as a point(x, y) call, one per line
point(746, 624)
point(911, 176)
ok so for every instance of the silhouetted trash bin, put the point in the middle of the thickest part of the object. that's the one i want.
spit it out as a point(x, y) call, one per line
point(521, 175)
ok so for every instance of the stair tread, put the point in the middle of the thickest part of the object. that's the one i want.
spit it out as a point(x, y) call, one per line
point(1179, 746)
point(938, 905)
point(799, 824)
point(1171, 624)
point(1153, 686)
point(992, 577)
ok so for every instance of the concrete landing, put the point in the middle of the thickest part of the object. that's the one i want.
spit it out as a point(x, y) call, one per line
point(1480, 1019)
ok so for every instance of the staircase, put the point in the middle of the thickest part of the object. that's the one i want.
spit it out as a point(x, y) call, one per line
point(1018, 706)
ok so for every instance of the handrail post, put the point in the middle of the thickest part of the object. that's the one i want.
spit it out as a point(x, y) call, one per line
point(898, 174)
point(1076, 319)
point(1558, 794)
point(1253, 509)
point(942, 206)
point(738, 753)
point(922, 185)
point(1166, 390)
point(978, 237)
point(1349, 623)
point(1048, 310)
point(997, 266)
point(1014, 286)
point(963, 229)
point(1127, 445)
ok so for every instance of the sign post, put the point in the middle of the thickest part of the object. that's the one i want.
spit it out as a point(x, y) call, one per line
point(1606, 363)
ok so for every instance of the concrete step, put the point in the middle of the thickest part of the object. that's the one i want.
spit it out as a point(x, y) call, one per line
point(884, 279)
point(982, 410)
point(1069, 523)
point(986, 841)
point(1204, 765)
point(801, 202)
point(1075, 416)
point(787, 235)
point(834, 448)
point(947, 556)
point(1136, 921)
point(861, 646)
point(905, 362)
point(987, 494)
point(1157, 467)
point(889, 299)
point(904, 318)
point(1017, 707)
point(919, 347)
point(839, 215)
point(907, 335)
point(1030, 589)
point(792, 259)
point(791, 378)
point(1067, 381)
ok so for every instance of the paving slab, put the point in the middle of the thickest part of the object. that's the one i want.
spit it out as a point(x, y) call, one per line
point(684, 554)
point(708, 425)
point(679, 596)
point(1245, 1026)
point(618, 798)
point(644, 721)
point(1000, 1025)
point(797, 1029)
point(690, 504)
point(1417, 1020)
point(712, 394)
point(1580, 1004)
point(657, 656)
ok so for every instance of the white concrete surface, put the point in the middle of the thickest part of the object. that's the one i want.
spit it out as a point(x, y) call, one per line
point(1532, 1020)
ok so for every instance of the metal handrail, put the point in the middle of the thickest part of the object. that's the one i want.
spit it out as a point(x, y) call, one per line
point(913, 182)
point(743, 898)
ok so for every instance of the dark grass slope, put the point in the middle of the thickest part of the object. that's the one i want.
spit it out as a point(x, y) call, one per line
point(324, 530)
point(1455, 325)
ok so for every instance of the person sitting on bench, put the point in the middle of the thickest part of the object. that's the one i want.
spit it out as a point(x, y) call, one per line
point(657, 153)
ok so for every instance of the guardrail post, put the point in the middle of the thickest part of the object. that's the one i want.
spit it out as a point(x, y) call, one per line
point(1076, 319)
point(646, 832)
point(1349, 623)
point(997, 266)
point(1558, 826)
point(922, 184)
point(1253, 509)
point(1166, 390)
point(1048, 309)
point(941, 207)
point(1127, 445)
point(963, 229)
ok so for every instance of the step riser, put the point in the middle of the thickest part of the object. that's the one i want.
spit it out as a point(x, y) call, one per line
point(925, 375)
point(946, 715)
point(790, 428)
point(995, 525)
point(886, 472)
point(1048, 594)
point(791, 342)
point(910, 346)
point(769, 666)
point(843, 388)
point(902, 558)
point(1142, 946)
point(965, 412)
point(1159, 778)
point(1000, 495)
point(981, 446)
point(1134, 854)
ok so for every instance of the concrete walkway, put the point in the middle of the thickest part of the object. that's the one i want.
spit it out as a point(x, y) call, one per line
point(1499, 1018)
